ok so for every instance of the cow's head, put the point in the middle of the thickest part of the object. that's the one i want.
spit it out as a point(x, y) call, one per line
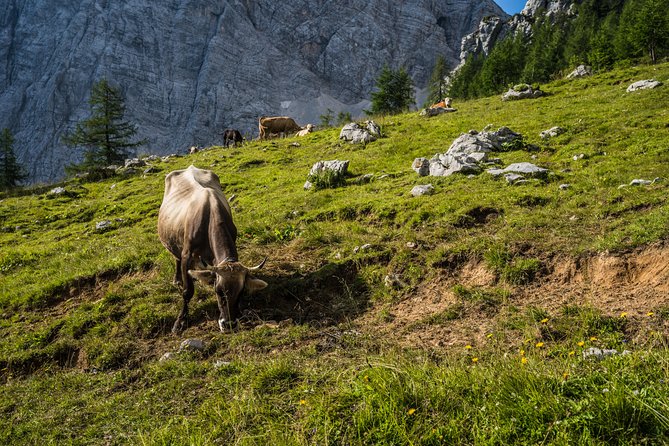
point(229, 279)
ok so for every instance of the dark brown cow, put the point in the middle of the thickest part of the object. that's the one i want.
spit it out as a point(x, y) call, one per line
point(232, 136)
point(195, 225)
point(268, 125)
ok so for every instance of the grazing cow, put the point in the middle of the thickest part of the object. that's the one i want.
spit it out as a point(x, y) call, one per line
point(232, 136)
point(195, 226)
point(268, 125)
point(309, 128)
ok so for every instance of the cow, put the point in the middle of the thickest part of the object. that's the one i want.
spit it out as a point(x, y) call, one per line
point(268, 125)
point(444, 103)
point(195, 226)
point(309, 128)
point(232, 136)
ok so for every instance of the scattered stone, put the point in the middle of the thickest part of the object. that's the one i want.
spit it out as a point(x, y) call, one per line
point(421, 166)
point(191, 345)
point(356, 133)
point(167, 356)
point(152, 158)
point(294, 144)
point(580, 71)
point(599, 353)
point(513, 178)
point(580, 156)
point(552, 132)
point(364, 179)
point(564, 186)
point(57, 191)
point(527, 169)
point(149, 170)
point(339, 169)
point(221, 363)
point(435, 111)
point(102, 225)
point(422, 189)
point(134, 162)
point(522, 91)
point(412, 245)
point(365, 247)
point(644, 85)
point(193, 149)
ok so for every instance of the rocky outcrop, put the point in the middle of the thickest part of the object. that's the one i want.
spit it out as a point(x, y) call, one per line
point(190, 69)
point(644, 85)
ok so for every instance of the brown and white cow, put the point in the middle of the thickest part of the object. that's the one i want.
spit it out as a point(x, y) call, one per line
point(268, 125)
point(195, 225)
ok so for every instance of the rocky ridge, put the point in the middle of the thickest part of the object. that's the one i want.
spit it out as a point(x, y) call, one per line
point(191, 69)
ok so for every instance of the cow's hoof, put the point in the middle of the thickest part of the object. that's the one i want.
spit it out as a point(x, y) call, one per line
point(178, 326)
point(226, 326)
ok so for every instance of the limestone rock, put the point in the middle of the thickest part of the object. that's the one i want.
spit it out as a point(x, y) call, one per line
point(521, 91)
point(190, 345)
point(580, 71)
point(643, 85)
point(337, 167)
point(421, 166)
point(422, 189)
point(552, 132)
point(355, 133)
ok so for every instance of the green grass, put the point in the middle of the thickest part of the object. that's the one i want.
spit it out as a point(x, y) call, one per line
point(86, 313)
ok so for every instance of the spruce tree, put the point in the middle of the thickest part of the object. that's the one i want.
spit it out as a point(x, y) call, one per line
point(394, 93)
point(11, 172)
point(651, 28)
point(437, 87)
point(105, 135)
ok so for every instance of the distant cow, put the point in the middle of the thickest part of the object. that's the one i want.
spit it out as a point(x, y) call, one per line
point(309, 128)
point(268, 125)
point(444, 103)
point(195, 226)
point(232, 136)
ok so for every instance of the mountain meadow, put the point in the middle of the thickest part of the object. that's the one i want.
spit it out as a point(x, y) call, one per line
point(484, 313)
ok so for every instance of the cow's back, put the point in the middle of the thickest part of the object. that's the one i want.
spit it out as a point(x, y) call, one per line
point(189, 195)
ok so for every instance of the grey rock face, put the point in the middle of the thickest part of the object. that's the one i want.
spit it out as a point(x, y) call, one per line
point(339, 168)
point(189, 69)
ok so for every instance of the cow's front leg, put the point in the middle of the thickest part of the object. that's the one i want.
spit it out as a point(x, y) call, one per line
point(178, 281)
point(189, 289)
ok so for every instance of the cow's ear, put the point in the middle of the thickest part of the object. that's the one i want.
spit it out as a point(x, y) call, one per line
point(252, 284)
point(206, 276)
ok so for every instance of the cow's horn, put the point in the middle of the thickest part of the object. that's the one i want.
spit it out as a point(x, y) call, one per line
point(260, 265)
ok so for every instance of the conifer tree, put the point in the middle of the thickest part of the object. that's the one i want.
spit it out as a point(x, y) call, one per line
point(437, 87)
point(395, 93)
point(651, 27)
point(105, 135)
point(11, 172)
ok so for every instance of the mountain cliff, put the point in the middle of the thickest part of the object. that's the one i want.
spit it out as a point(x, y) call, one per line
point(191, 68)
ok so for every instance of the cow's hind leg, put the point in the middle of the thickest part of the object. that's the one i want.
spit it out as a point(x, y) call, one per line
point(177, 274)
point(188, 290)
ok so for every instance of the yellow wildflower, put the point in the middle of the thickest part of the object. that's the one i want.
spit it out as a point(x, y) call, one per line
point(411, 411)
point(593, 338)
point(571, 353)
point(650, 313)
point(565, 375)
point(489, 335)
point(522, 353)
point(523, 360)
point(581, 343)
point(623, 314)
point(303, 402)
point(539, 344)
point(468, 347)
point(544, 321)
point(475, 359)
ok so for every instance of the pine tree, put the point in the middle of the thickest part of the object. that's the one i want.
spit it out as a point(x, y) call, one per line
point(395, 93)
point(437, 87)
point(11, 172)
point(465, 82)
point(651, 27)
point(106, 136)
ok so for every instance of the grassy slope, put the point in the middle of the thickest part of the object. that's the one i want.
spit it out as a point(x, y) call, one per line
point(87, 313)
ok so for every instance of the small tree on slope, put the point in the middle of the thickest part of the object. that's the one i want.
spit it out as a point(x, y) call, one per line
point(106, 136)
point(394, 93)
point(11, 172)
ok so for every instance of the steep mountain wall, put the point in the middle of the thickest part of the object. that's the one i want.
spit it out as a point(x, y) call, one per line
point(191, 68)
